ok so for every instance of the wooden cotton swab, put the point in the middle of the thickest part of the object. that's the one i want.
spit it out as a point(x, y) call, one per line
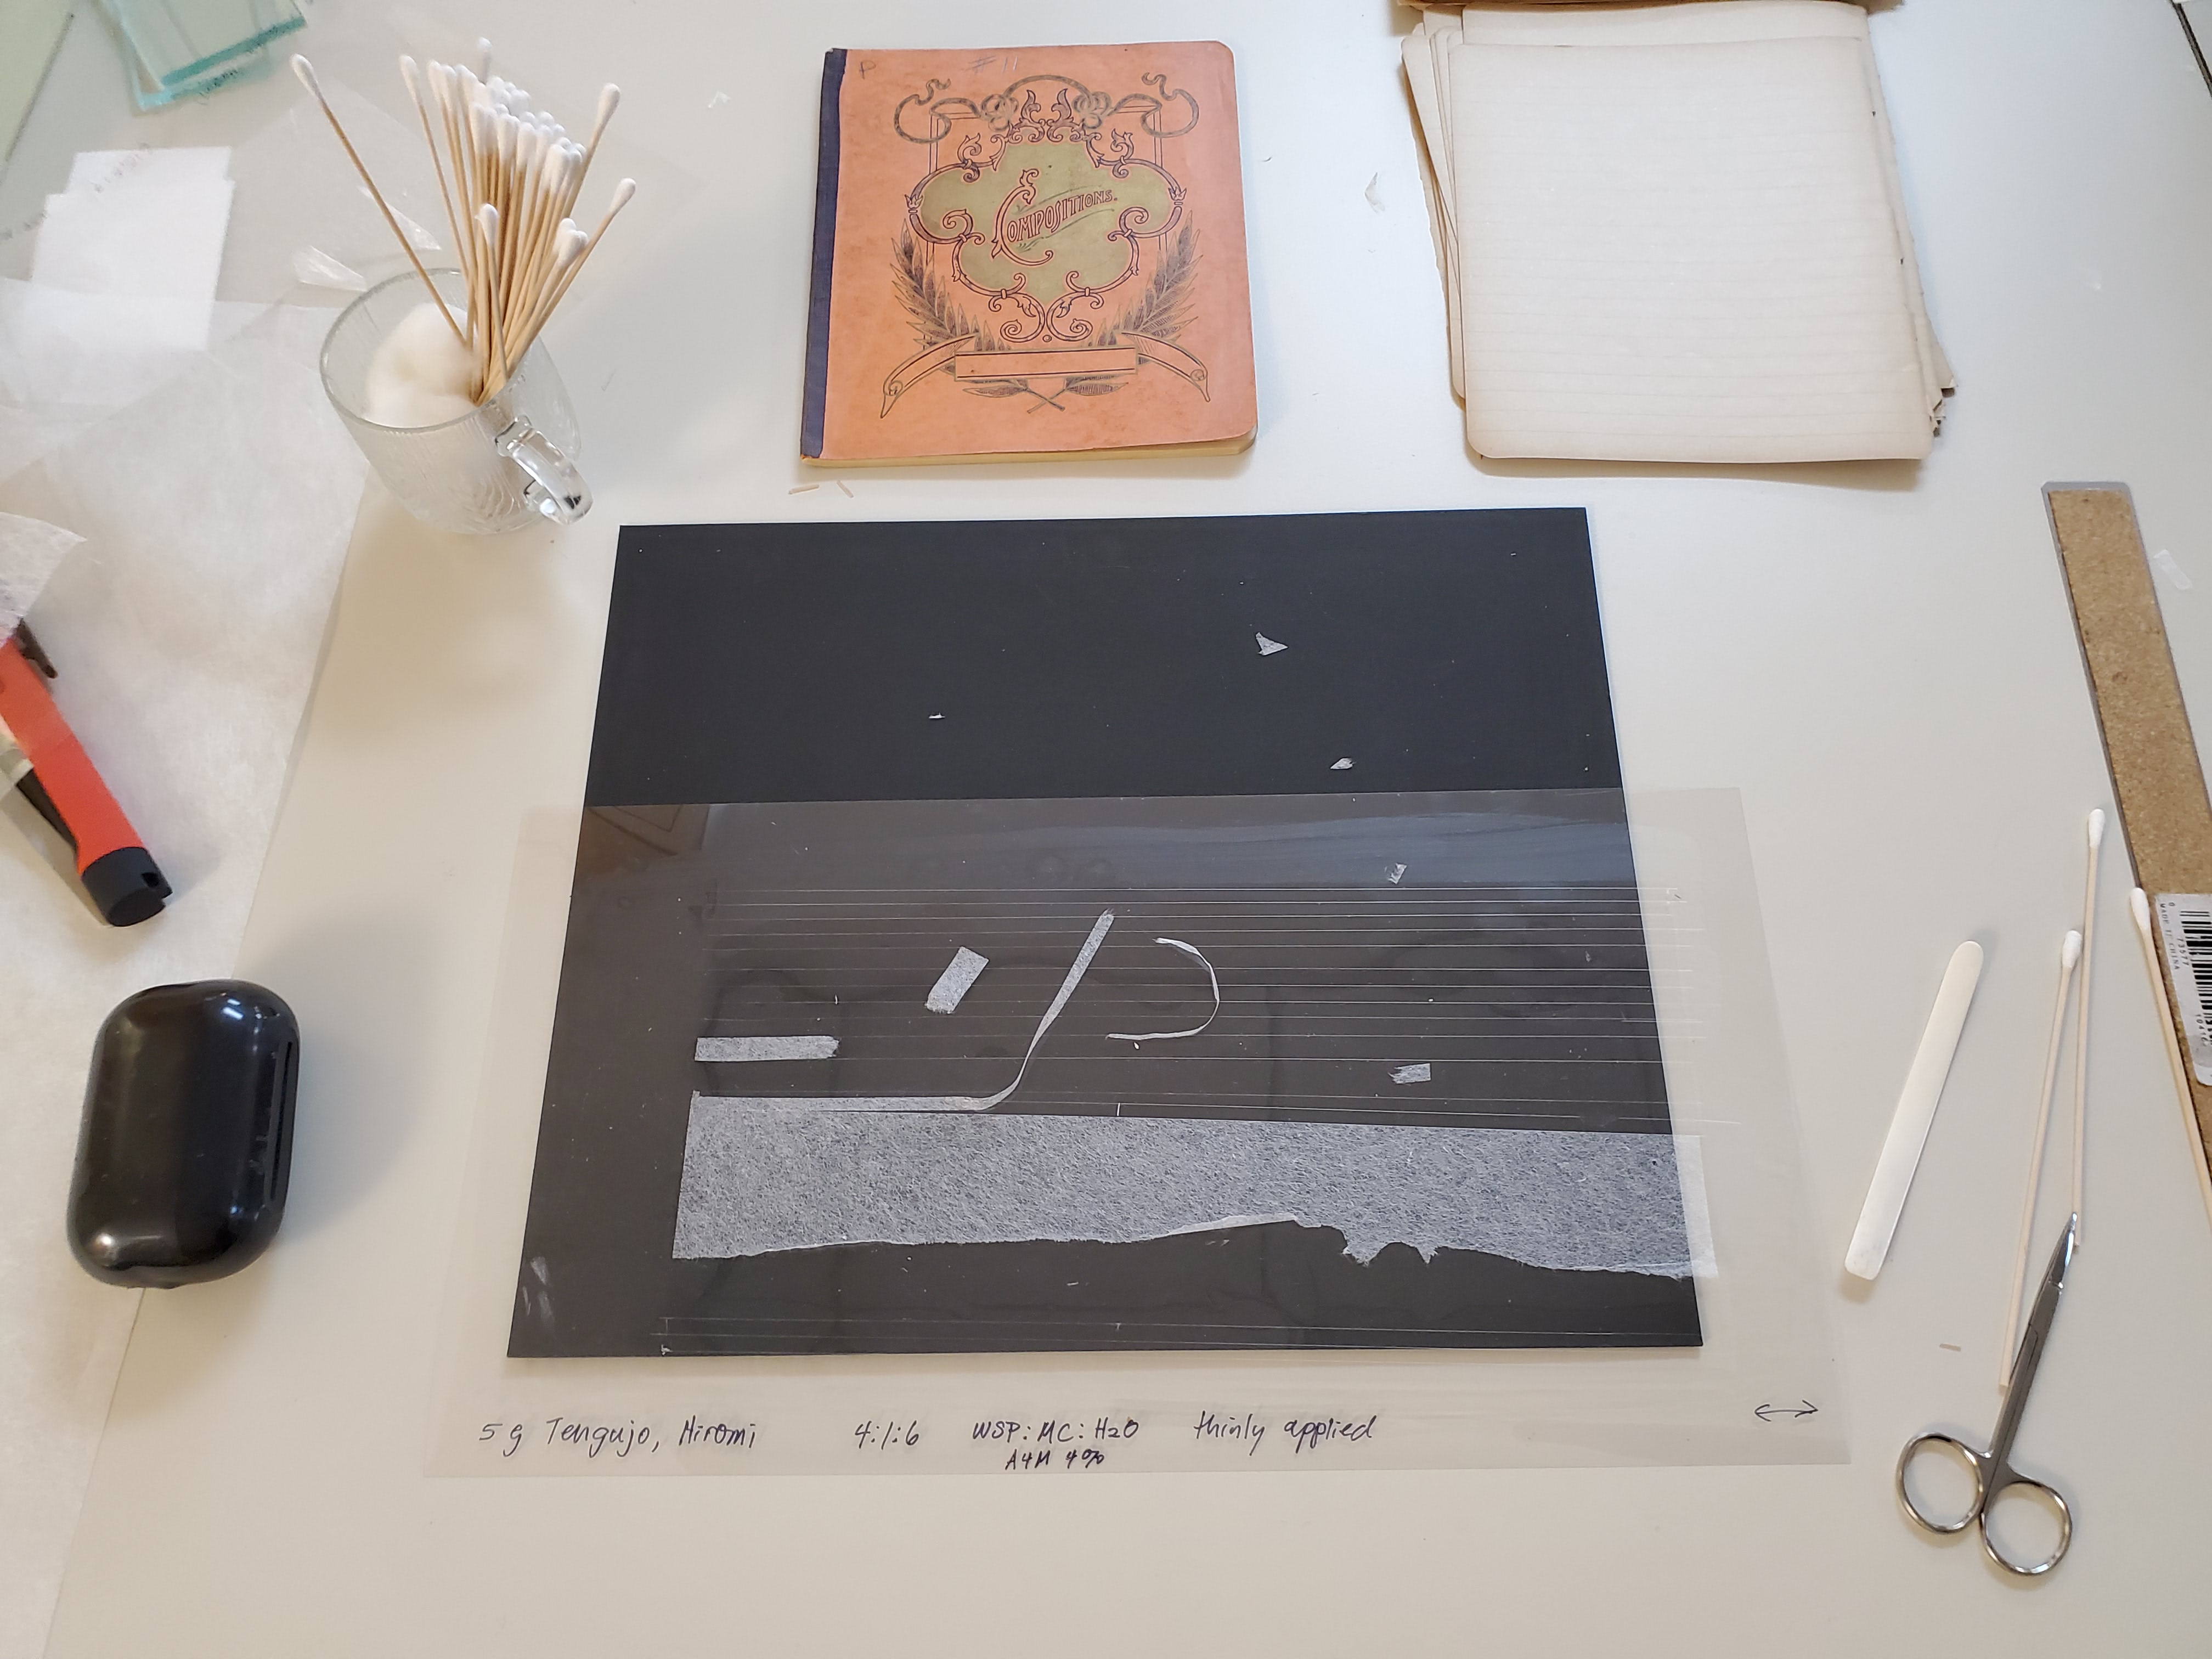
point(487, 222)
point(305, 71)
point(568, 244)
point(610, 95)
point(2081, 1010)
point(623, 191)
point(2069, 953)
point(410, 73)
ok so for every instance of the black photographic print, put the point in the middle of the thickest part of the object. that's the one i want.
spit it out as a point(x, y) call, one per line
point(1145, 934)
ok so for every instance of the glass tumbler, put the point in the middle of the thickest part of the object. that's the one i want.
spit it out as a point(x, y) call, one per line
point(506, 463)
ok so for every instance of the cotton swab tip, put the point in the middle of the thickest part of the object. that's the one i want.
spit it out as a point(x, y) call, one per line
point(2070, 952)
point(305, 71)
point(2139, 902)
point(623, 191)
point(610, 95)
point(2097, 827)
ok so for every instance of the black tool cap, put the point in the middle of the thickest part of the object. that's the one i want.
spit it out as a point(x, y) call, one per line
point(126, 885)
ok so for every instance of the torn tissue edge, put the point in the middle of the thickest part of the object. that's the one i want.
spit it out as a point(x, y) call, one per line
point(760, 1178)
point(724, 1051)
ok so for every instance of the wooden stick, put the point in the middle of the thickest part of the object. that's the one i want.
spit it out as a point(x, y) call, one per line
point(462, 251)
point(488, 219)
point(409, 73)
point(623, 191)
point(305, 71)
point(552, 209)
point(568, 246)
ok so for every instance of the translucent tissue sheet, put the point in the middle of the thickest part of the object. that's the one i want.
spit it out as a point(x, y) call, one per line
point(759, 1177)
point(1719, 1196)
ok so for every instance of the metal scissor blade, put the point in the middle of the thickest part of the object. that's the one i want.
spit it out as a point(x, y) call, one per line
point(2032, 1340)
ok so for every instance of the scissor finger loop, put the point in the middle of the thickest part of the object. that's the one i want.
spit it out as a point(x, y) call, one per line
point(1976, 1463)
point(2051, 1496)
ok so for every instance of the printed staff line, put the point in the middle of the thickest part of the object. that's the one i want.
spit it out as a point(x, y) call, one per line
point(1244, 1025)
point(941, 939)
point(943, 935)
point(932, 947)
point(778, 976)
point(1228, 901)
point(1164, 1058)
point(1215, 890)
point(1317, 910)
point(1384, 1053)
point(886, 1010)
point(1574, 1105)
point(938, 936)
point(1343, 921)
point(780, 965)
point(1411, 1106)
point(1253, 1022)
point(1319, 905)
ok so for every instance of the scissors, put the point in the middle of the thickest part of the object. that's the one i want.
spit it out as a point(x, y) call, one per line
point(1994, 1475)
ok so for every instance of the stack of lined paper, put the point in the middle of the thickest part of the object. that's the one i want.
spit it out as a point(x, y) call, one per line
point(1673, 233)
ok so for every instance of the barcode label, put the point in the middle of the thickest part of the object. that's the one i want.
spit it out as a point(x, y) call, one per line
point(2185, 925)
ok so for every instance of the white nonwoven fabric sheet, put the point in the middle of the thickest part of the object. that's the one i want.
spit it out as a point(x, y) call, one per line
point(215, 515)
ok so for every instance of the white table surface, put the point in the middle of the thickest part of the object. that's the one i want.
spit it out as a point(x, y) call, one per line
point(1879, 659)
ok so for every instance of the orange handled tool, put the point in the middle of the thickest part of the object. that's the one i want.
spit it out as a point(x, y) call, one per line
point(126, 885)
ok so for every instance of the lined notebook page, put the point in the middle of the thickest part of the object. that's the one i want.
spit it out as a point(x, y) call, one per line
point(1686, 252)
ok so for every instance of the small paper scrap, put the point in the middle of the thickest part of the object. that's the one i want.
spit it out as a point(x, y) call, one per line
point(1268, 647)
point(30, 549)
point(2172, 568)
point(1411, 1073)
point(1395, 874)
point(319, 270)
point(719, 1051)
point(952, 984)
point(1344, 765)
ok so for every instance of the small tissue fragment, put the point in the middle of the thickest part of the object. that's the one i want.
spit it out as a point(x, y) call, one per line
point(959, 974)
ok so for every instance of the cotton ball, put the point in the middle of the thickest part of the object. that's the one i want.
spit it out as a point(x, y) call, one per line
point(421, 375)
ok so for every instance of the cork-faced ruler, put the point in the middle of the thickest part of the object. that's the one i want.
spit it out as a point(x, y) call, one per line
point(2157, 779)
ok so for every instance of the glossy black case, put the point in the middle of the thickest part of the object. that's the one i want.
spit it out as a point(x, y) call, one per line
point(186, 1149)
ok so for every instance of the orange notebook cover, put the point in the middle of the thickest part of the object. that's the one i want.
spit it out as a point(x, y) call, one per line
point(1034, 251)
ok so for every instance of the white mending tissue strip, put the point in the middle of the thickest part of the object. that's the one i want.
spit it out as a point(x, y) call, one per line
point(1411, 1073)
point(847, 1103)
point(952, 984)
point(756, 1181)
point(1212, 978)
point(718, 1051)
point(1268, 647)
